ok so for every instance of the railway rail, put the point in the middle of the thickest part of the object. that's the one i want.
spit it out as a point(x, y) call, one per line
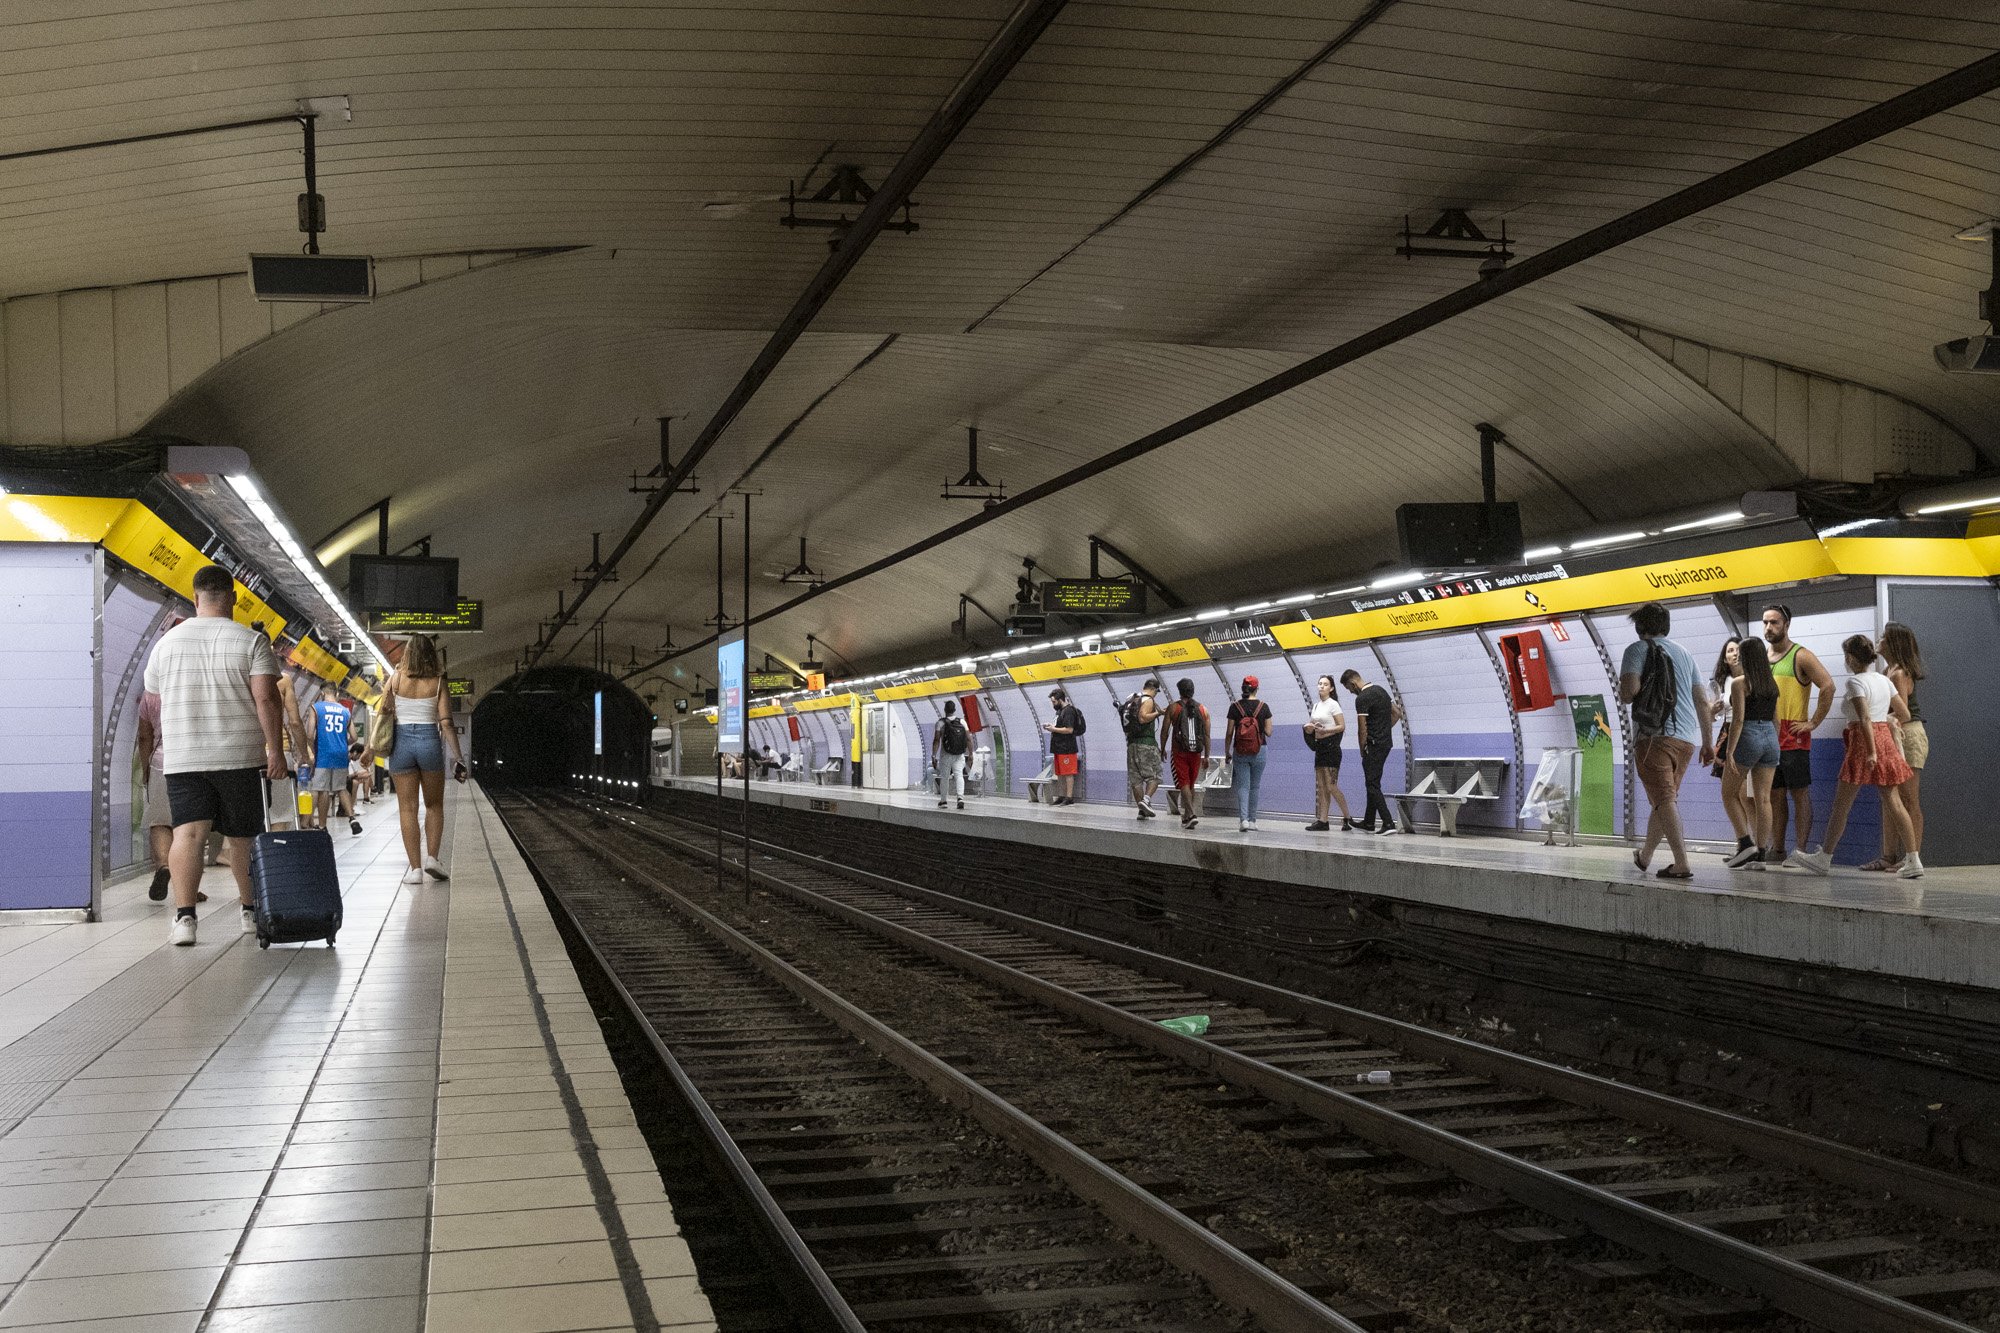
point(880, 1208)
point(1501, 1129)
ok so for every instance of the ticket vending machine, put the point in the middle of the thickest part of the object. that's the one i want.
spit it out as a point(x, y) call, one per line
point(885, 748)
point(1526, 658)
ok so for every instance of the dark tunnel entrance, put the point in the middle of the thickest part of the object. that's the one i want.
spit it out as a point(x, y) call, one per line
point(561, 725)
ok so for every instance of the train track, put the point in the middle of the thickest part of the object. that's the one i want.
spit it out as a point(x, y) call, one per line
point(1500, 1129)
point(881, 1206)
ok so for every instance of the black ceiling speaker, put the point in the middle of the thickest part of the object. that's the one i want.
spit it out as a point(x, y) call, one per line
point(316, 278)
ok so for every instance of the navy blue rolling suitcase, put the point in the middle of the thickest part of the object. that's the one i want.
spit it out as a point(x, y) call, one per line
point(295, 886)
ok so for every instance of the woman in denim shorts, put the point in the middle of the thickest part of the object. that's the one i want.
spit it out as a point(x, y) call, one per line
point(1750, 751)
point(422, 711)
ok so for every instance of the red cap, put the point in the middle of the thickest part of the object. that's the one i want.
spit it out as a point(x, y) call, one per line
point(1250, 682)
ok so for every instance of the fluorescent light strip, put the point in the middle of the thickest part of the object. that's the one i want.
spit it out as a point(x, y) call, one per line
point(1717, 521)
point(1541, 552)
point(1615, 539)
point(253, 500)
point(1955, 505)
point(1402, 580)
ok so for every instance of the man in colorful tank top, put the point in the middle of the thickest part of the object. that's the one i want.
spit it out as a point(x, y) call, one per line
point(1799, 673)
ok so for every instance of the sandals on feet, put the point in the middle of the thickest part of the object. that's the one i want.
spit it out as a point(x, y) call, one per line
point(1668, 872)
point(1881, 863)
point(1639, 860)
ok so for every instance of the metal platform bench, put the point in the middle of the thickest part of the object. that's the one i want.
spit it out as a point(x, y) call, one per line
point(1452, 783)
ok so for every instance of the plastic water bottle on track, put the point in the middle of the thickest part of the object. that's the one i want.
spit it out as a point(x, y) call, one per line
point(1374, 1076)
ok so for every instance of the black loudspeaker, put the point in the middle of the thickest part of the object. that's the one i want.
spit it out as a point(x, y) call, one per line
point(322, 279)
point(1458, 536)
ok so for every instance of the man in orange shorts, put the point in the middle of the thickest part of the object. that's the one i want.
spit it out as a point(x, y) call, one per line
point(1062, 744)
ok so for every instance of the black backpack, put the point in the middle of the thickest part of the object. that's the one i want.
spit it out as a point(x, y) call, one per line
point(1077, 726)
point(1137, 730)
point(1653, 706)
point(954, 737)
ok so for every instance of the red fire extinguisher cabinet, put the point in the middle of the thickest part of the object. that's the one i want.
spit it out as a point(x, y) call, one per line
point(1527, 662)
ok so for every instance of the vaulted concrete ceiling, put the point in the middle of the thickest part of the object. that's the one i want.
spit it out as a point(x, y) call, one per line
point(504, 408)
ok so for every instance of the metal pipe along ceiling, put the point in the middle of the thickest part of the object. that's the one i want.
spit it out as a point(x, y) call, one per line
point(1899, 112)
point(1012, 42)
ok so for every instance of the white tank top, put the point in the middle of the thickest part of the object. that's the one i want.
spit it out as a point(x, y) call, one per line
point(417, 712)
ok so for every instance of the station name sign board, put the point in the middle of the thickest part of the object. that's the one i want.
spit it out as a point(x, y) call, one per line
point(469, 617)
point(1094, 597)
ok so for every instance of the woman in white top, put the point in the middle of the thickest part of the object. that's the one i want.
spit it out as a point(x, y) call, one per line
point(1323, 732)
point(415, 698)
point(1874, 758)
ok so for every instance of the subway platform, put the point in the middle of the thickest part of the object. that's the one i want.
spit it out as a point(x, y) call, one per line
point(418, 1129)
point(1943, 928)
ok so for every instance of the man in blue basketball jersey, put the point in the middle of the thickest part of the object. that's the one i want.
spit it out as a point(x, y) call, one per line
point(329, 780)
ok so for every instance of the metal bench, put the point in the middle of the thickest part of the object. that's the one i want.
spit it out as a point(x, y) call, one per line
point(1041, 780)
point(1451, 783)
point(827, 774)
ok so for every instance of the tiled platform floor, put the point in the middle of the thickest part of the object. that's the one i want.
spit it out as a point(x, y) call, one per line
point(1943, 927)
point(417, 1129)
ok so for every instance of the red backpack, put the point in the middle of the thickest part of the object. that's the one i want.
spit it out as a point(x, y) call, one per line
point(1249, 727)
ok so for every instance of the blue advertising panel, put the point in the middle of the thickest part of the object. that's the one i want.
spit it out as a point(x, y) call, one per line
point(729, 697)
point(597, 735)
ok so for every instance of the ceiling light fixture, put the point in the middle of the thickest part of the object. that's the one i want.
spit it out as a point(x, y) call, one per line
point(1401, 580)
point(274, 524)
point(1615, 539)
point(1541, 552)
point(1713, 521)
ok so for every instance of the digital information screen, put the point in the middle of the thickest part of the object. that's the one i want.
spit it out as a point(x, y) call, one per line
point(597, 730)
point(469, 618)
point(1094, 597)
point(458, 687)
point(729, 694)
point(402, 583)
point(768, 681)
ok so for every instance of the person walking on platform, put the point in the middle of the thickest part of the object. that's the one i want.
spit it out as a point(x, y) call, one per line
point(1905, 668)
point(281, 795)
point(1799, 672)
point(415, 701)
point(1063, 732)
point(1323, 732)
point(1184, 738)
point(1750, 747)
point(1140, 715)
point(951, 749)
point(1670, 710)
point(330, 762)
point(215, 683)
point(159, 811)
point(1722, 710)
point(1249, 723)
point(1375, 719)
point(1874, 758)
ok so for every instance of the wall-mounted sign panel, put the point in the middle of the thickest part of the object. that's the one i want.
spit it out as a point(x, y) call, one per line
point(1121, 659)
point(458, 687)
point(468, 618)
point(1094, 597)
point(765, 681)
point(924, 689)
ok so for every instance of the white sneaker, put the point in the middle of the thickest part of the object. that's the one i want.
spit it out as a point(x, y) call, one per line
point(249, 921)
point(1389, 828)
point(413, 876)
point(181, 931)
point(1912, 867)
point(1242, 826)
point(1818, 863)
point(1253, 826)
point(433, 869)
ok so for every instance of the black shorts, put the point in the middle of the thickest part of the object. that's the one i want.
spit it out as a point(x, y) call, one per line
point(230, 799)
point(1794, 770)
point(1326, 754)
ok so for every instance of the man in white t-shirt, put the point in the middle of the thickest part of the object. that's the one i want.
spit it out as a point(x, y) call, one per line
point(216, 683)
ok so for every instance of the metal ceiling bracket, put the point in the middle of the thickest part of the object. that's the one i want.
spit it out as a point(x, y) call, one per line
point(689, 485)
point(973, 485)
point(1137, 570)
point(1453, 224)
point(802, 572)
point(846, 186)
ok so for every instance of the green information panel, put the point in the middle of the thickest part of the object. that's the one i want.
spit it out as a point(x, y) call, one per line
point(1595, 801)
point(458, 687)
point(469, 617)
point(1096, 597)
point(772, 680)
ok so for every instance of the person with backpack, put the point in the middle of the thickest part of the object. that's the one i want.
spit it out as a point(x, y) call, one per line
point(1063, 733)
point(1670, 715)
point(1140, 715)
point(951, 754)
point(1249, 727)
point(1184, 737)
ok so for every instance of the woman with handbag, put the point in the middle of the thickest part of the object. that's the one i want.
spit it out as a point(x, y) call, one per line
point(413, 727)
